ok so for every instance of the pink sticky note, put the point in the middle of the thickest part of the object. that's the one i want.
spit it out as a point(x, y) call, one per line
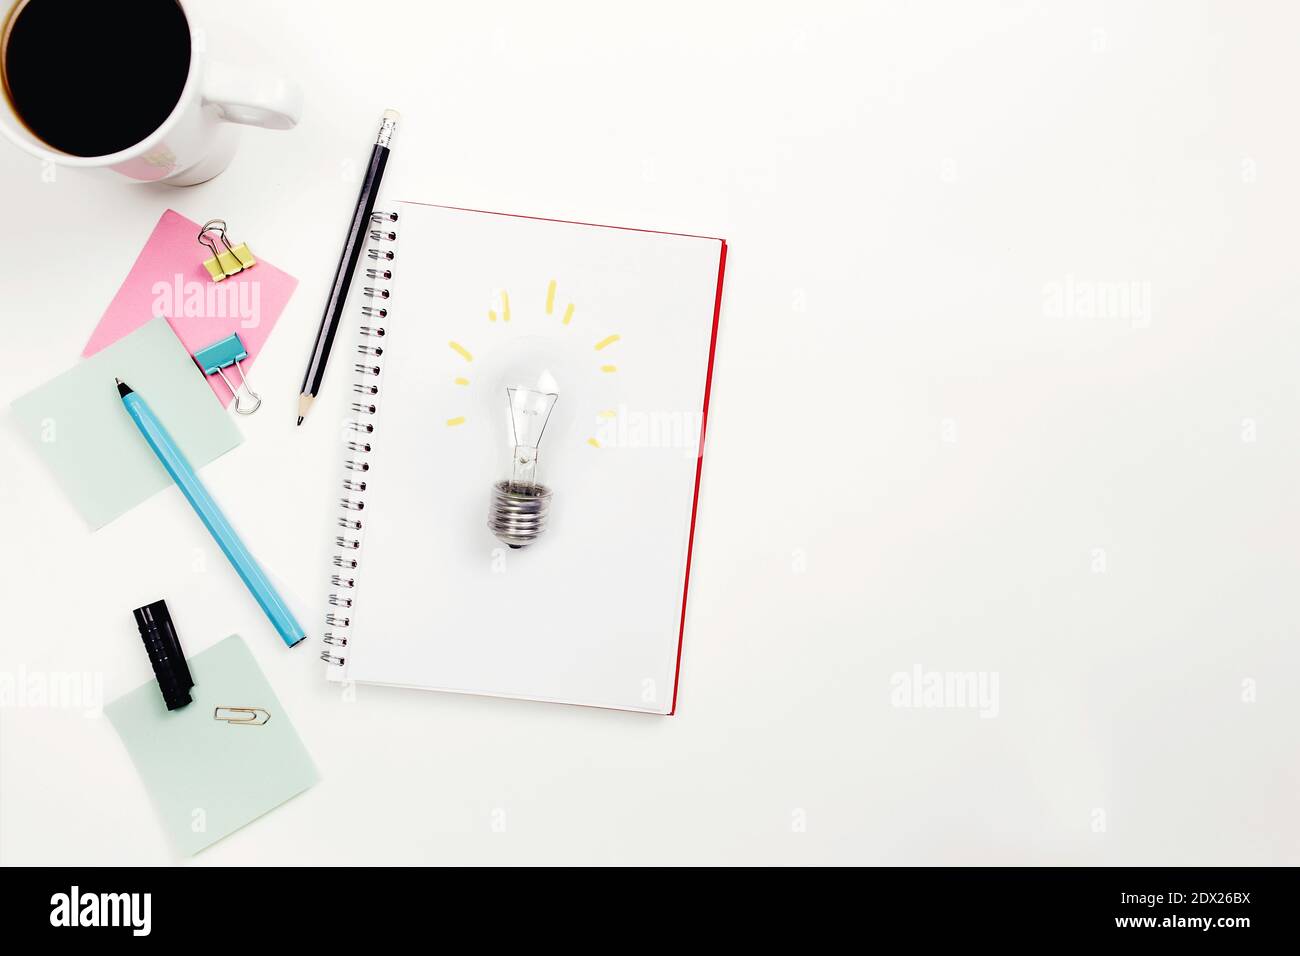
point(168, 279)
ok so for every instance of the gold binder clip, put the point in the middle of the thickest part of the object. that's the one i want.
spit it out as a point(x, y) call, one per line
point(228, 261)
point(245, 716)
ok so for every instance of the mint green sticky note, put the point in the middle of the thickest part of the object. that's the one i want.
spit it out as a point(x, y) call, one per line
point(209, 777)
point(77, 423)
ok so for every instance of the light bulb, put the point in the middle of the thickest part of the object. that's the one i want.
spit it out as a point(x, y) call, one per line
point(520, 503)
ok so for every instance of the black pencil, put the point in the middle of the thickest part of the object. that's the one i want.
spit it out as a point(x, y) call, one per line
point(357, 232)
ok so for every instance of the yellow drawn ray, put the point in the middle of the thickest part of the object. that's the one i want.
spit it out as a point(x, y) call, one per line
point(609, 368)
point(568, 313)
point(461, 351)
point(593, 443)
point(550, 298)
point(458, 420)
point(461, 381)
point(607, 340)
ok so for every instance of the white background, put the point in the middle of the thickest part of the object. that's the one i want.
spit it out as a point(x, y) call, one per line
point(912, 458)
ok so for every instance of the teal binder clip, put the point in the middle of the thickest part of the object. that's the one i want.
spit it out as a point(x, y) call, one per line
point(221, 355)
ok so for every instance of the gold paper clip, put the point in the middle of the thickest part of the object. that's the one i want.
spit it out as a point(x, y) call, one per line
point(246, 716)
point(228, 261)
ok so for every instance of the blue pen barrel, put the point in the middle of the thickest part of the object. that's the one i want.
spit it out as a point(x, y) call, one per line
point(250, 572)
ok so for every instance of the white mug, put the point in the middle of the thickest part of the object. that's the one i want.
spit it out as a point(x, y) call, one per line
point(198, 138)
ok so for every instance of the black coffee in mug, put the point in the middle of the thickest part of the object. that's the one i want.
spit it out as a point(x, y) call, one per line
point(94, 78)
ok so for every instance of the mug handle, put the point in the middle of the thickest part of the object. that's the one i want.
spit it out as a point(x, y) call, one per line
point(252, 97)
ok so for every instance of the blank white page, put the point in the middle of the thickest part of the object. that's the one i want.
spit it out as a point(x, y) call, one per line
point(623, 322)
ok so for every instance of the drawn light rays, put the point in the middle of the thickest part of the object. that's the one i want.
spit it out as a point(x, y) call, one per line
point(501, 313)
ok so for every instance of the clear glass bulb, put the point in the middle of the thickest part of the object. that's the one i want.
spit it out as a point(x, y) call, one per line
point(530, 409)
point(520, 504)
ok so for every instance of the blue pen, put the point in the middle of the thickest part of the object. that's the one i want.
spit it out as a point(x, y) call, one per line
point(173, 459)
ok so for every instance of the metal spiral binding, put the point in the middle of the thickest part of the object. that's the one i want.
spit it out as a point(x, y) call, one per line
point(359, 444)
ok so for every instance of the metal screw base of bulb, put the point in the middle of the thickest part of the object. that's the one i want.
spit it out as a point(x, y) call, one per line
point(518, 518)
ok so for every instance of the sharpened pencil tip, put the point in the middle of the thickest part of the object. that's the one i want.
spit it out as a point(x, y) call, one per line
point(299, 419)
point(118, 380)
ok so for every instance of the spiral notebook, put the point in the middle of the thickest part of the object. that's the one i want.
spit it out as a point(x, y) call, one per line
point(620, 326)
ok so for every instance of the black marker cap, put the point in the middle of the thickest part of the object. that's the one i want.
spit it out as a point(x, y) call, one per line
point(163, 645)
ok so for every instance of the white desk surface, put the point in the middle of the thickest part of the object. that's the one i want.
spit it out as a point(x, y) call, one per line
point(915, 458)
